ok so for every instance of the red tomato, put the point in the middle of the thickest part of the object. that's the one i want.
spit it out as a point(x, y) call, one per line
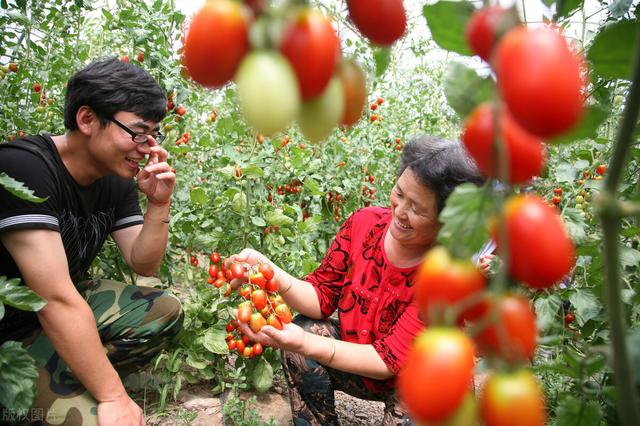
point(37, 88)
point(379, 101)
point(437, 374)
point(540, 251)
point(256, 322)
point(258, 279)
point(244, 312)
point(283, 313)
point(568, 319)
point(273, 321)
point(312, 46)
point(601, 169)
point(524, 152)
point(271, 286)
point(486, 26)
point(512, 334)
point(257, 349)
point(217, 41)
point(214, 257)
point(442, 283)
point(240, 346)
point(213, 270)
point(512, 398)
point(245, 292)
point(381, 21)
point(540, 79)
point(238, 270)
point(248, 352)
point(140, 56)
point(373, 107)
point(218, 283)
point(557, 191)
point(231, 345)
point(354, 88)
point(232, 325)
point(266, 270)
point(557, 199)
point(259, 299)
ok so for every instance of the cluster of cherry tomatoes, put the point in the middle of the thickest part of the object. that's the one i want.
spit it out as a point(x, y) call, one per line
point(259, 304)
point(540, 82)
point(288, 59)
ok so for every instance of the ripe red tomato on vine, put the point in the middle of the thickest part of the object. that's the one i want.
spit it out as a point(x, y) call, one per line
point(312, 47)
point(216, 42)
point(525, 153)
point(381, 21)
point(540, 78)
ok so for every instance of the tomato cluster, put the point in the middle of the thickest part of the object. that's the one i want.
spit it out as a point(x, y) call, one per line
point(541, 83)
point(290, 70)
point(260, 302)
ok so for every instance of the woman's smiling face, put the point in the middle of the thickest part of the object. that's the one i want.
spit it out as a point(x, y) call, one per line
point(414, 212)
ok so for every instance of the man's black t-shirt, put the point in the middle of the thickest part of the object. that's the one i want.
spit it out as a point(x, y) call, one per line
point(84, 215)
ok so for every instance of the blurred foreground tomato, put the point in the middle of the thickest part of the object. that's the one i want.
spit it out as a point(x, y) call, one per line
point(512, 399)
point(540, 250)
point(312, 47)
point(524, 152)
point(354, 88)
point(437, 374)
point(267, 91)
point(486, 26)
point(381, 21)
point(216, 42)
point(320, 115)
point(539, 77)
point(444, 283)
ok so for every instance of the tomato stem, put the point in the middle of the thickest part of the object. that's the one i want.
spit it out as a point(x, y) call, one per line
point(610, 214)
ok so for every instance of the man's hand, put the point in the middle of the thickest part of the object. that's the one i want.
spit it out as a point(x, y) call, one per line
point(121, 411)
point(156, 179)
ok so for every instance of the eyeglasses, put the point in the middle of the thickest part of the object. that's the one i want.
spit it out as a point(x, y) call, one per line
point(138, 137)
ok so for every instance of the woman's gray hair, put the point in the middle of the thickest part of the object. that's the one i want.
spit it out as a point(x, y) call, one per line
point(439, 164)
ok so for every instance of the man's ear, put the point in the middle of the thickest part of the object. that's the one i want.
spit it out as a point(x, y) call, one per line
point(87, 120)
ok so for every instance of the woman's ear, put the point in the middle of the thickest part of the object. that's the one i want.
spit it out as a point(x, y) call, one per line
point(86, 120)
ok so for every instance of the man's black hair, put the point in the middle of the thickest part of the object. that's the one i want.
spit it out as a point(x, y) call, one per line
point(110, 85)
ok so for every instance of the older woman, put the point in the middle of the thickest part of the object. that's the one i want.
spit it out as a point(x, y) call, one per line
point(367, 277)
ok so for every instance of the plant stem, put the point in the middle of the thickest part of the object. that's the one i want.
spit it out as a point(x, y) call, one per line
point(610, 214)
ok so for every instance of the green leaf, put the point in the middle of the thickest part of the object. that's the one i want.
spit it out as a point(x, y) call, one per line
point(587, 128)
point(198, 196)
point(313, 187)
point(565, 172)
point(573, 412)
point(258, 221)
point(586, 304)
point(262, 378)
point(447, 21)
point(629, 257)
point(239, 202)
point(18, 373)
point(382, 57)
point(277, 218)
point(18, 189)
point(547, 308)
point(633, 344)
point(19, 296)
point(463, 220)
point(465, 89)
point(611, 50)
point(214, 341)
point(569, 7)
point(252, 170)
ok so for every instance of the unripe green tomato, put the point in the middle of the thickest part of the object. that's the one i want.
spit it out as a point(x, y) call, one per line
point(239, 203)
point(320, 115)
point(268, 91)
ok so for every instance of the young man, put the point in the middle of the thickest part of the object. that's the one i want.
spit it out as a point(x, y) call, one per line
point(88, 329)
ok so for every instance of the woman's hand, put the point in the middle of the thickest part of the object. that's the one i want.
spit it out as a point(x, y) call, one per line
point(291, 338)
point(484, 264)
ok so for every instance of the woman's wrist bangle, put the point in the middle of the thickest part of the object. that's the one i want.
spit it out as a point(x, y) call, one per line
point(289, 287)
point(333, 352)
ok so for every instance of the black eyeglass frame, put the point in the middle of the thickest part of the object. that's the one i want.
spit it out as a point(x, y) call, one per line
point(159, 137)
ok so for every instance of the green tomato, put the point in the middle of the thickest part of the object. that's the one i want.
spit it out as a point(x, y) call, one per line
point(239, 203)
point(268, 92)
point(320, 115)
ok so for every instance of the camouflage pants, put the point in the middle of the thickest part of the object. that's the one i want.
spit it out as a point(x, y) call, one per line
point(312, 385)
point(134, 324)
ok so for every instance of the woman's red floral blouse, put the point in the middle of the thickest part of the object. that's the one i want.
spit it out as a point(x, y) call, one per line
point(374, 299)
